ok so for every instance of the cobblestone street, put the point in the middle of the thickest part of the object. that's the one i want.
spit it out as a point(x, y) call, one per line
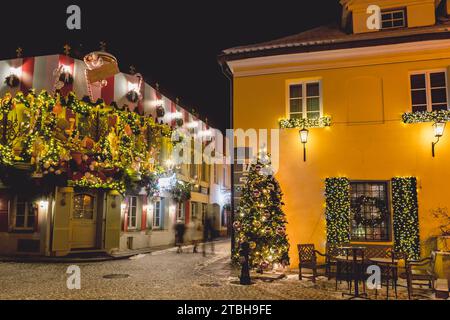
point(160, 275)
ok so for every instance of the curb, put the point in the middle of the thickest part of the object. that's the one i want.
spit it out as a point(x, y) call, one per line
point(123, 256)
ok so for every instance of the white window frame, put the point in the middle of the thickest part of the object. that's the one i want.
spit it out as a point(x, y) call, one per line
point(27, 214)
point(427, 73)
point(303, 83)
point(193, 209)
point(130, 209)
point(392, 11)
point(181, 215)
point(157, 211)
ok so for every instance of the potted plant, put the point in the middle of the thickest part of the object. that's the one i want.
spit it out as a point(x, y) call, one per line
point(443, 240)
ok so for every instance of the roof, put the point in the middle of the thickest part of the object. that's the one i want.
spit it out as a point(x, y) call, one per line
point(331, 37)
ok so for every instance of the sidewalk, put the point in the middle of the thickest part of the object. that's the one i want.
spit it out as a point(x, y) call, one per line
point(99, 256)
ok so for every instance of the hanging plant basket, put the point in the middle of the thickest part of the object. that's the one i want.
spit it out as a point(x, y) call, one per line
point(160, 112)
point(179, 122)
point(132, 96)
point(66, 78)
point(12, 81)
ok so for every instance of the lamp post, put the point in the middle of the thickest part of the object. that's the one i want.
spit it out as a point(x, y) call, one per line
point(304, 139)
point(439, 128)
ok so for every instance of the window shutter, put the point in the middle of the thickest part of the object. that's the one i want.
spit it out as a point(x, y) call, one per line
point(36, 218)
point(144, 210)
point(125, 215)
point(187, 211)
point(4, 211)
point(162, 213)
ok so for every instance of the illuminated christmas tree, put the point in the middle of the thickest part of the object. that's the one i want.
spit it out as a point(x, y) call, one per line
point(260, 220)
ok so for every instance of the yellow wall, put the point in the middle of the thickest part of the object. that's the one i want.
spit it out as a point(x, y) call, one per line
point(379, 150)
point(419, 13)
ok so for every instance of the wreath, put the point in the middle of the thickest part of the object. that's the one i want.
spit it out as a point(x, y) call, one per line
point(132, 96)
point(160, 112)
point(66, 78)
point(379, 204)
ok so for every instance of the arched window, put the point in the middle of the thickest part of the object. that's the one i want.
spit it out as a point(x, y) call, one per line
point(83, 206)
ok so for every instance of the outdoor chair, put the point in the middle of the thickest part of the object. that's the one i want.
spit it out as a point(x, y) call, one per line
point(308, 260)
point(420, 273)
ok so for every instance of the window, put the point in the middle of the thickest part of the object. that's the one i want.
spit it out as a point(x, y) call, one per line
point(83, 206)
point(393, 19)
point(194, 209)
point(224, 176)
point(132, 212)
point(429, 91)
point(157, 214)
point(25, 214)
point(305, 100)
point(180, 211)
point(370, 217)
point(216, 173)
point(204, 207)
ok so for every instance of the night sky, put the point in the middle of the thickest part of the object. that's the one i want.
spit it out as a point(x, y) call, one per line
point(174, 43)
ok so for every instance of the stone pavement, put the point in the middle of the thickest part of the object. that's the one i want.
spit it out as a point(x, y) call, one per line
point(159, 275)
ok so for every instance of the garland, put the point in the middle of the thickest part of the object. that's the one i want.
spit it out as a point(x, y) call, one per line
point(305, 123)
point(406, 216)
point(337, 194)
point(99, 146)
point(181, 191)
point(426, 116)
point(362, 201)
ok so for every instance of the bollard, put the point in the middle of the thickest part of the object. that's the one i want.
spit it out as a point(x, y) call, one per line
point(245, 271)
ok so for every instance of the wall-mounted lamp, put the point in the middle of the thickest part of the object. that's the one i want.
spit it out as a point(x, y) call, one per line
point(304, 140)
point(439, 128)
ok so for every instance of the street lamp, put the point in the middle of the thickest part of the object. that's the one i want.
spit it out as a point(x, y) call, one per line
point(304, 139)
point(439, 128)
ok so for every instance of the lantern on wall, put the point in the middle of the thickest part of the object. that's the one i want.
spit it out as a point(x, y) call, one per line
point(304, 133)
point(439, 128)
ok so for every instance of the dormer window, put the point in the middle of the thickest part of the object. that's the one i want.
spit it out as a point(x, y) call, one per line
point(391, 19)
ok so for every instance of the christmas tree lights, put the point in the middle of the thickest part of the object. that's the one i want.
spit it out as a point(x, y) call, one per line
point(261, 221)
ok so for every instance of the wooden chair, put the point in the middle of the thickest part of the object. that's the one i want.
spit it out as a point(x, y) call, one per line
point(308, 260)
point(420, 272)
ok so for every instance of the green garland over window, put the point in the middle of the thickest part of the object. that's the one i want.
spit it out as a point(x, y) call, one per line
point(426, 116)
point(406, 216)
point(305, 123)
point(337, 194)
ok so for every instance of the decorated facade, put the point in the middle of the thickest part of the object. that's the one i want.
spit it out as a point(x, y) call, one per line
point(363, 148)
point(86, 160)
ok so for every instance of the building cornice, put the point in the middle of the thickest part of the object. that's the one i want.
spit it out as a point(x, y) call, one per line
point(340, 58)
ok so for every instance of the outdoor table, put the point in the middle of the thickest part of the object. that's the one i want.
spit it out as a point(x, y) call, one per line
point(357, 262)
point(391, 265)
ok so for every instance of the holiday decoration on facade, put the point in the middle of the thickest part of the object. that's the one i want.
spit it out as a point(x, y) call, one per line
point(426, 116)
point(337, 194)
point(406, 216)
point(80, 143)
point(261, 222)
point(305, 123)
point(378, 207)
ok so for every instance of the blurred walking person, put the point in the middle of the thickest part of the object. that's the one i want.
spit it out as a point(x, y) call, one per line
point(180, 229)
point(208, 232)
point(194, 228)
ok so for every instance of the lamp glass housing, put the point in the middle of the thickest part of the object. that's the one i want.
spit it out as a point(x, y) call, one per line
point(439, 129)
point(304, 135)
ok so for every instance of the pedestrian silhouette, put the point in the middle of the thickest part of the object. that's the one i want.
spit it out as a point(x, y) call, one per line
point(208, 232)
point(180, 229)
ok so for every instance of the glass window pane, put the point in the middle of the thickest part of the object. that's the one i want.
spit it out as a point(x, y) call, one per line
point(20, 221)
point(296, 105)
point(296, 91)
point(386, 16)
point(419, 97)
point(437, 79)
point(437, 107)
point(386, 24)
point(418, 81)
point(296, 116)
point(398, 15)
point(398, 23)
point(419, 108)
point(30, 221)
point(312, 89)
point(313, 115)
point(439, 95)
point(313, 104)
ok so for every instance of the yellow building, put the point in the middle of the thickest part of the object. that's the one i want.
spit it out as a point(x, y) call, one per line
point(369, 98)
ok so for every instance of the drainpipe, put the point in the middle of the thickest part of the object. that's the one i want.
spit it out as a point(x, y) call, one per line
point(227, 72)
